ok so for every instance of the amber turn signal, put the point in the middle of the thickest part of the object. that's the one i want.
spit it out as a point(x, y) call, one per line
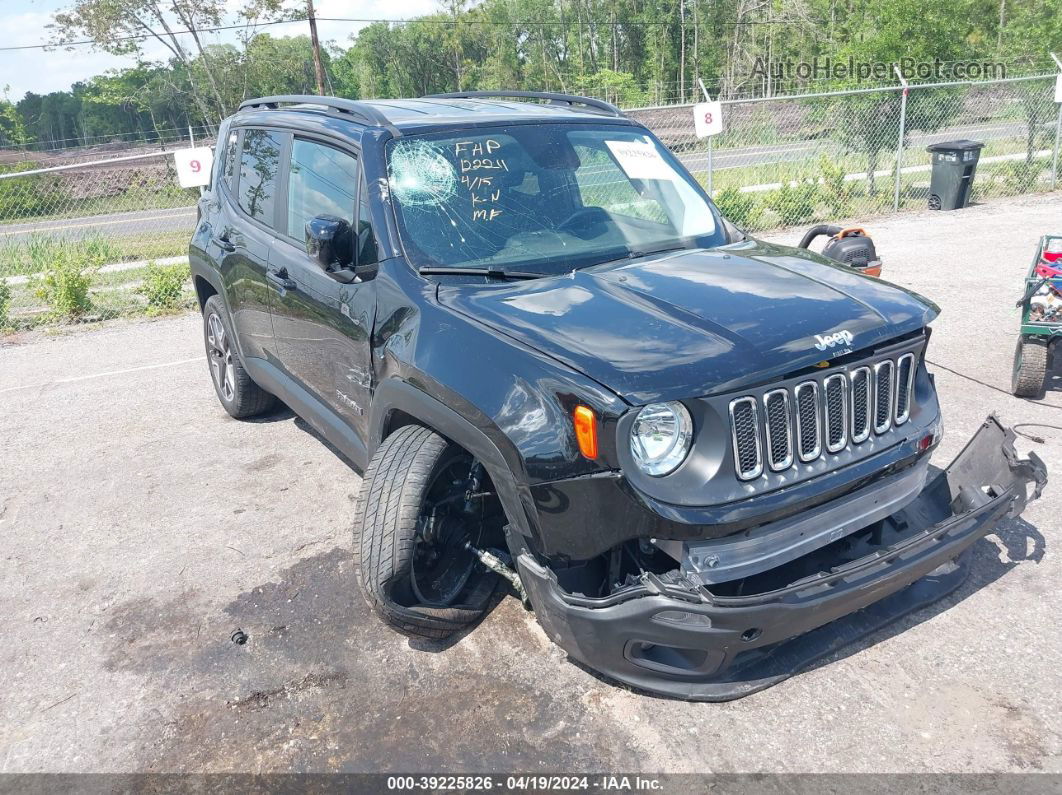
point(586, 430)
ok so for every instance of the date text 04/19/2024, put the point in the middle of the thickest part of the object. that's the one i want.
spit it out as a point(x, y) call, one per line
point(510, 783)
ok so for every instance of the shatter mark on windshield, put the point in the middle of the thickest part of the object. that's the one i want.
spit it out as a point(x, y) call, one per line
point(540, 198)
point(421, 175)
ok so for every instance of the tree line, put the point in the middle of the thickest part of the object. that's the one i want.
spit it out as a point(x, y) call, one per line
point(628, 51)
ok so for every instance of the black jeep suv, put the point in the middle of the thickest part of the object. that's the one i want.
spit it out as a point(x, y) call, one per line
point(703, 460)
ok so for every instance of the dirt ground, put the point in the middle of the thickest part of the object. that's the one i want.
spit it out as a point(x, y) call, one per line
point(141, 527)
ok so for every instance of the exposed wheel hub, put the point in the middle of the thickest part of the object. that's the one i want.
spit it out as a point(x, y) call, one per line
point(448, 521)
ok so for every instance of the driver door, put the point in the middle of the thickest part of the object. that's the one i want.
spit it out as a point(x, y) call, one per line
point(322, 325)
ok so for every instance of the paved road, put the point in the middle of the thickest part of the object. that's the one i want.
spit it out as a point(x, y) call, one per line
point(138, 222)
point(141, 526)
point(746, 157)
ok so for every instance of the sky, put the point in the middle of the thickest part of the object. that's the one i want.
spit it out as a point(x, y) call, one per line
point(23, 22)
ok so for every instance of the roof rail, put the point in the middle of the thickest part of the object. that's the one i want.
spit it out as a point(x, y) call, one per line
point(567, 99)
point(364, 112)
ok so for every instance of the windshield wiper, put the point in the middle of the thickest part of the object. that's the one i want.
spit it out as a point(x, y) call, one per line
point(632, 254)
point(635, 254)
point(497, 273)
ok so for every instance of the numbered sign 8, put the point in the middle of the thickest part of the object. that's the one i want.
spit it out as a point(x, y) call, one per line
point(708, 118)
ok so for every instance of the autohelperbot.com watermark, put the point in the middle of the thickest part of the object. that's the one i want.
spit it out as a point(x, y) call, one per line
point(851, 68)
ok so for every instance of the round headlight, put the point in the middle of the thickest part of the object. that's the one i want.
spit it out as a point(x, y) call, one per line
point(661, 437)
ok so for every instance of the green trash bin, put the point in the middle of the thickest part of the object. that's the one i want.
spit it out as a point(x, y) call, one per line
point(954, 166)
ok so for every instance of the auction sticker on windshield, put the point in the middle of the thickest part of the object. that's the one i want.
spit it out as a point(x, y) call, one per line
point(640, 160)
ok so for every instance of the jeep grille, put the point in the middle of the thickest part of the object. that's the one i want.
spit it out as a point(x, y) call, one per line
point(820, 415)
point(860, 379)
point(745, 427)
point(779, 429)
point(904, 366)
point(883, 396)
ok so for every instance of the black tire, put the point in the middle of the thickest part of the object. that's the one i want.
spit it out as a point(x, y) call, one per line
point(239, 395)
point(391, 504)
point(1030, 368)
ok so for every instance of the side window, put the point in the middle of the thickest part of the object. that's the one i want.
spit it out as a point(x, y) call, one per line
point(230, 158)
point(323, 181)
point(259, 164)
point(367, 253)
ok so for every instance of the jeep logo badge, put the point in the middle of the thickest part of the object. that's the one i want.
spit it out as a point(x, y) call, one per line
point(830, 340)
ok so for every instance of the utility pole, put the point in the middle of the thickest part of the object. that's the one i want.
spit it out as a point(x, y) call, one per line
point(318, 68)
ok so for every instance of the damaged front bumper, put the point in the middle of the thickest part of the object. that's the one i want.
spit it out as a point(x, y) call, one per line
point(677, 638)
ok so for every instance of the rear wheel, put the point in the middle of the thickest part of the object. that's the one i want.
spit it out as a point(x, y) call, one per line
point(239, 395)
point(1030, 368)
point(421, 503)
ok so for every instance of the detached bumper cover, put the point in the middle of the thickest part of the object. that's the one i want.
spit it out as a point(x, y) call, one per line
point(688, 643)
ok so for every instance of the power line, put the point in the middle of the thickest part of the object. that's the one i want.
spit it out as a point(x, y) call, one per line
point(419, 21)
point(143, 36)
point(629, 23)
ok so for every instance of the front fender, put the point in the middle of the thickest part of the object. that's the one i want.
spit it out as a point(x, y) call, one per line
point(396, 402)
point(509, 405)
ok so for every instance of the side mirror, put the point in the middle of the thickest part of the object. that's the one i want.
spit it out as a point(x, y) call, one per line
point(329, 241)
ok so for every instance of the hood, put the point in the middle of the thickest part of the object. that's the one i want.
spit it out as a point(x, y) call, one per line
point(695, 322)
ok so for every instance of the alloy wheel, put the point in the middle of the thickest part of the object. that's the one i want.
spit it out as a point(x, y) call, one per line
point(220, 355)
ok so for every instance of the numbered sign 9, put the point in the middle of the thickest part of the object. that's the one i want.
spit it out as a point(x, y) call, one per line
point(193, 166)
point(708, 118)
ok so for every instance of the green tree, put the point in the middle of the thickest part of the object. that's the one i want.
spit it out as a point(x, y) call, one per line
point(279, 66)
point(1032, 27)
point(617, 87)
point(12, 125)
point(121, 27)
point(632, 51)
point(117, 27)
point(886, 32)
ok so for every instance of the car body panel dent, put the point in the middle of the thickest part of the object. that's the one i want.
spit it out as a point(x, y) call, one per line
point(526, 402)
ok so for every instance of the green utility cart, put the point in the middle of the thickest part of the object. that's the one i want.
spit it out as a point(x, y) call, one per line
point(1041, 318)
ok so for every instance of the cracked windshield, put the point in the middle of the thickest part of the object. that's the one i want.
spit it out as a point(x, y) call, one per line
point(548, 198)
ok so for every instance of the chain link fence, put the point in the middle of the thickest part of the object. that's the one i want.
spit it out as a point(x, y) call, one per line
point(792, 160)
point(85, 236)
point(97, 232)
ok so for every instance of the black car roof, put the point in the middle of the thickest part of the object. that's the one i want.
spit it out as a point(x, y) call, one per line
point(406, 116)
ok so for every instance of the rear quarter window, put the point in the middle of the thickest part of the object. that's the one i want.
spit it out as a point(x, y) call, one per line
point(259, 168)
point(227, 166)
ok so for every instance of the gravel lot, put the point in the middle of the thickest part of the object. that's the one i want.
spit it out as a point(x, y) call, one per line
point(142, 526)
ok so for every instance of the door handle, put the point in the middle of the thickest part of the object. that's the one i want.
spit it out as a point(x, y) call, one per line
point(280, 279)
point(223, 243)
